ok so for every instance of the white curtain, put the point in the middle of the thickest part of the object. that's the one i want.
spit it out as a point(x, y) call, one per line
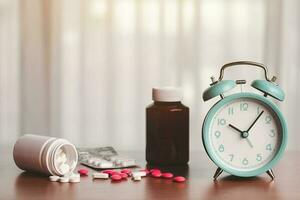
point(84, 69)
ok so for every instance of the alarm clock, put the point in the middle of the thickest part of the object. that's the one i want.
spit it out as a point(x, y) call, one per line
point(244, 134)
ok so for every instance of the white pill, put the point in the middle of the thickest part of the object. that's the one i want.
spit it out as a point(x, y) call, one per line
point(63, 157)
point(137, 178)
point(141, 174)
point(74, 179)
point(74, 175)
point(64, 179)
point(59, 151)
point(53, 178)
point(127, 163)
point(73, 165)
point(64, 168)
point(100, 175)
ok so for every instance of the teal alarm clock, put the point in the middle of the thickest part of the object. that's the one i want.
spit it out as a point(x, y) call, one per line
point(244, 134)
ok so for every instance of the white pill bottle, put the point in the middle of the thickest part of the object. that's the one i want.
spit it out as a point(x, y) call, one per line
point(44, 154)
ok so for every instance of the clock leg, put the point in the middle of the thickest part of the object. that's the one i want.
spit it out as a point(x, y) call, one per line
point(218, 173)
point(271, 174)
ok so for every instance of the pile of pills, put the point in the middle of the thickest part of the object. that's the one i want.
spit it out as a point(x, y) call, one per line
point(70, 177)
point(113, 175)
point(64, 168)
point(124, 174)
point(61, 161)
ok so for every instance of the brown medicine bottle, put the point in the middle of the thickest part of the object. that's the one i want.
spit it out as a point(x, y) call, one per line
point(167, 128)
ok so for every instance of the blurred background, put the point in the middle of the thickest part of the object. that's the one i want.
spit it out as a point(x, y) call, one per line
point(84, 69)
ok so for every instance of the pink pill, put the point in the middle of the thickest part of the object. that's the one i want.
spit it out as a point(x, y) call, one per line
point(179, 179)
point(116, 177)
point(167, 175)
point(115, 173)
point(155, 170)
point(83, 172)
point(126, 171)
point(123, 175)
point(108, 171)
point(156, 174)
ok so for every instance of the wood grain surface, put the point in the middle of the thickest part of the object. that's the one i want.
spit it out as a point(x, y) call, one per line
point(16, 184)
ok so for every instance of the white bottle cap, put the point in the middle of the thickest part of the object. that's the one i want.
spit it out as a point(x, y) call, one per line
point(167, 94)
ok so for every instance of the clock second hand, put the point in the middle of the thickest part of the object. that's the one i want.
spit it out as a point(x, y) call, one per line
point(241, 132)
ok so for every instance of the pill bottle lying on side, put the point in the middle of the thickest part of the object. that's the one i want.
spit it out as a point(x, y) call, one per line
point(47, 155)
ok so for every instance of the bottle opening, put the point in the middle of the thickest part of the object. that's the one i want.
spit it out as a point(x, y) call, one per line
point(65, 159)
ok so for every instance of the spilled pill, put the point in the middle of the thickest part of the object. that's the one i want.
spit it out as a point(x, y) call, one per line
point(64, 179)
point(139, 173)
point(126, 171)
point(83, 172)
point(74, 179)
point(53, 178)
point(123, 175)
point(116, 177)
point(100, 175)
point(156, 174)
point(108, 171)
point(155, 170)
point(136, 178)
point(179, 179)
point(167, 175)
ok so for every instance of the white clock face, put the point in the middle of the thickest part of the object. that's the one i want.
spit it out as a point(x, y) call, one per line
point(245, 134)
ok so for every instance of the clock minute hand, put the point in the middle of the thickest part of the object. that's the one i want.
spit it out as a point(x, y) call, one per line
point(260, 114)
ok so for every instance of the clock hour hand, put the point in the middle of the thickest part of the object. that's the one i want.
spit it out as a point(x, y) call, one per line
point(244, 134)
point(260, 114)
point(235, 128)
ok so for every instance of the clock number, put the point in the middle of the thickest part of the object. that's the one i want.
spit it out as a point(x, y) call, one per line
point(230, 111)
point(221, 148)
point(268, 119)
point(272, 134)
point(231, 157)
point(269, 147)
point(245, 161)
point(258, 157)
point(221, 122)
point(217, 134)
point(243, 106)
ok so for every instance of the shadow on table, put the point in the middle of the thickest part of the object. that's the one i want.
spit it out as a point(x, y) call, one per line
point(233, 187)
point(159, 188)
point(29, 185)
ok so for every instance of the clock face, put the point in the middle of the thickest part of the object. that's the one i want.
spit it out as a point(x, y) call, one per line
point(244, 134)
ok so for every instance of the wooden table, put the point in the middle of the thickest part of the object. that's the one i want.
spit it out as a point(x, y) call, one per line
point(16, 184)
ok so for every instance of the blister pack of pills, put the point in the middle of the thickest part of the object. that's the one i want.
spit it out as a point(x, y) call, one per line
point(104, 158)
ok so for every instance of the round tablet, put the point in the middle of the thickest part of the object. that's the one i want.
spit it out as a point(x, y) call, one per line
point(74, 179)
point(83, 172)
point(179, 179)
point(64, 179)
point(156, 174)
point(126, 171)
point(116, 177)
point(167, 175)
point(53, 178)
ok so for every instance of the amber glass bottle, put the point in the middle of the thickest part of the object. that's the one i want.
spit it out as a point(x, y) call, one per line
point(167, 128)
